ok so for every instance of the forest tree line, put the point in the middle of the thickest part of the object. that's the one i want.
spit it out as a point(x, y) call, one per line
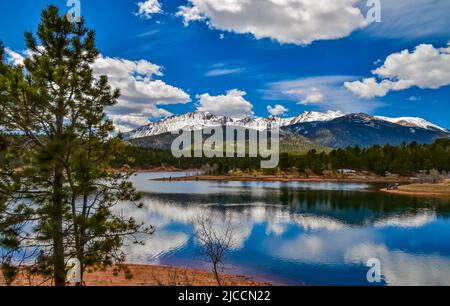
point(407, 159)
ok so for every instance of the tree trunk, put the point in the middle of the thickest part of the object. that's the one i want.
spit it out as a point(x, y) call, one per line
point(216, 273)
point(59, 273)
point(81, 238)
point(59, 269)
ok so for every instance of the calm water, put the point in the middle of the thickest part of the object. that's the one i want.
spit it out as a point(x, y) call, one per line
point(297, 233)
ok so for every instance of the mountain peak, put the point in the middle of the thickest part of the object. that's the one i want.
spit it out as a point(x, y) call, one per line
point(311, 116)
point(199, 120)
point(413, 122)
point(197, 114)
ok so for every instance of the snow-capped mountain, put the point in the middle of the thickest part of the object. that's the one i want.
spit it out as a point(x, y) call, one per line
point(413, 122)
point(193, 121)
point(364, 131)
point(200, 120)
point(197, 121)
point(315, 116)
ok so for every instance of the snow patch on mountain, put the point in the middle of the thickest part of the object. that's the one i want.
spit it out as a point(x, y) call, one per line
point(413, 122)
point(201, 120)
point(316, 116)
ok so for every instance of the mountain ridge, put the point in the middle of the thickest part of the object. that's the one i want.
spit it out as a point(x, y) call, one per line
point(200, 120)
point(364, 131)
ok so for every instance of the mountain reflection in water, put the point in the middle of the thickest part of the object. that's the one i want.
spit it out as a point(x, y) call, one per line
point(297, 233)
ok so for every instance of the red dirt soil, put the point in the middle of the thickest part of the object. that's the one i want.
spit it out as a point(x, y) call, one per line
point(145, 275)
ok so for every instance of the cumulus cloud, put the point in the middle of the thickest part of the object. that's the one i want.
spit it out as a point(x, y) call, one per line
point(13, 57)
point(323, 93)
point(370, 88)
point(140, 117)
point(140, 92)
point(286, 21)
point(277, 110)
point(189, 14)
point(231, 104)
point(18, 57)
point(426, 67)
point(148, 8)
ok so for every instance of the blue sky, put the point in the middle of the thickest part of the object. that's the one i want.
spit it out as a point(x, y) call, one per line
point(237, 57)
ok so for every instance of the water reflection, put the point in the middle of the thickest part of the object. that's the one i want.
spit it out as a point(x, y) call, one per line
point(298, 234)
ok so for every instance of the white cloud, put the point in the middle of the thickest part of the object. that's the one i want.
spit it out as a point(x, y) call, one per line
point(277, 110)
point(426, 67)
point(414, 98)
point(313, 96)
point(122, 67)
point(126, 122)
point(17, 58)
point(323, 93)
point(301, 93)
point(140, 92)
point(370, 88)
point(149, 33)
point(148, 8)
point(232, 104)
point(286, 21)
point(13, 57)
point(228, 68)
point(189, 14)
point(224, 71)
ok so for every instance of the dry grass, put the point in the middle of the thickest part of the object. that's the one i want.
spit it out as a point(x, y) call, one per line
point(145, 275)
point(442, 190)
point(350, 178)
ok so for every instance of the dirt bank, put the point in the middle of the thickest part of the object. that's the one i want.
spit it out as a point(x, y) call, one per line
point(439, 190)
point(147, 275)
point(293, 178)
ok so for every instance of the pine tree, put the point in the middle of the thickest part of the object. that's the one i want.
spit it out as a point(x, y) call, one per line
point(56, 106)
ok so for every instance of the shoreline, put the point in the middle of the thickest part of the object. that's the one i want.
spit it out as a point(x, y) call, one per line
point(152, 275)
point(163, 169)
point(290, 178)
point(425, 190)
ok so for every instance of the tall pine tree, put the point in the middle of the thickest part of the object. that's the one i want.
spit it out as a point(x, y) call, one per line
point(55, 106)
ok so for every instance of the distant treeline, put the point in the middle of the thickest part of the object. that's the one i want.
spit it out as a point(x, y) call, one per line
point(403, 160)
point(146, 158)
